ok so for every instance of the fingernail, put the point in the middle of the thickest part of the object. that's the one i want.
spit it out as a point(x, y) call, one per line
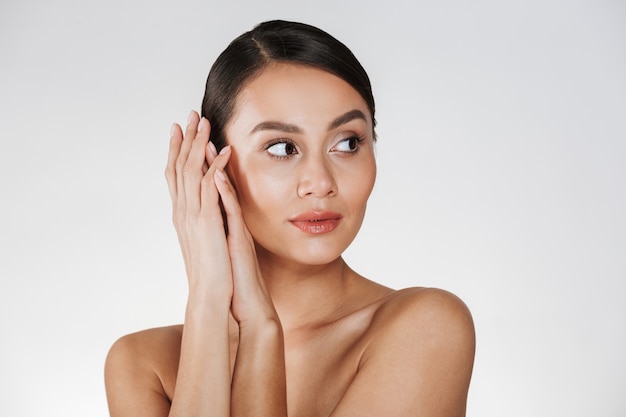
point(201, 124)
point(172, 129)
point(190, 116)
point(225, 149)
point(212, 148)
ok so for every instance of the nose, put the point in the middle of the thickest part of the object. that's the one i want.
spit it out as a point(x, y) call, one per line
point(316, 179)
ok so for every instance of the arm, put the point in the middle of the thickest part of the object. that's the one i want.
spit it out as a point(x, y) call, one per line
point(135, 363)
point(259, 386)
point(215, 266)
point(420, 361)
point(203, 379)
point(259, 381)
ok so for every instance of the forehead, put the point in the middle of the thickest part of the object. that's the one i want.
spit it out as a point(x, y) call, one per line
point(295, 94)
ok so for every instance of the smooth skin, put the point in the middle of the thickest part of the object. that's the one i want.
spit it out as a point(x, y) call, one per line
point(276, 323)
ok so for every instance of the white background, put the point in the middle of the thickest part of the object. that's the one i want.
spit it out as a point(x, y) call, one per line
point(502, 141)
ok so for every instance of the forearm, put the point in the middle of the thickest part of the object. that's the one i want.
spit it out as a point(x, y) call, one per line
point(259, 383)
point(203, 381)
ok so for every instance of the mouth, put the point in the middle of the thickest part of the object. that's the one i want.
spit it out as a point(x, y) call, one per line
point(316, 222)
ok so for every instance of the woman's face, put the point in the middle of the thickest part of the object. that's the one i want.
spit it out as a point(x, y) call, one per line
point(303, 162)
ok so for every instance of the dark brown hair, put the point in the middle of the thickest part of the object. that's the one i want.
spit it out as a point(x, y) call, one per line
point(271, 42)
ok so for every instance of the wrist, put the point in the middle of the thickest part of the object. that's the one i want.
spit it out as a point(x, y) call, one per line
point(261, 329)
point(207, 305)
point(203, 291)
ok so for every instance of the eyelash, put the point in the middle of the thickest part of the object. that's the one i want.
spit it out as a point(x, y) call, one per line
point(358, 139)
point(267, 146)
point(277, 142)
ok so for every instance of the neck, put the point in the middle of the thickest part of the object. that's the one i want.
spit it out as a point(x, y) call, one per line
point(307, 295)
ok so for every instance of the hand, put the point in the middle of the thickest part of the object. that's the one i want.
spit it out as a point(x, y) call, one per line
point(251, 301)
point(191, 167)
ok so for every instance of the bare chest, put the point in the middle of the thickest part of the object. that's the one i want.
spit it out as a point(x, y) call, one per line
point(320, 367)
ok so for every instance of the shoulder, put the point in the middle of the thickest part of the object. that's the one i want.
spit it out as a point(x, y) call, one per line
point(146, 345)
point(424, 304)
point(421, 316)
point(143, 364)
point(419, 357)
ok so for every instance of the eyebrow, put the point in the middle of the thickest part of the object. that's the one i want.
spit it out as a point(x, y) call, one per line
point(346, 117)
point(290, 128)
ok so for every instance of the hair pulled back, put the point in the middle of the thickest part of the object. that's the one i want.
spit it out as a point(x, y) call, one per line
point(272, 42)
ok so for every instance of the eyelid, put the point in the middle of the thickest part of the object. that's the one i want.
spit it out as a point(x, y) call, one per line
point(279, 141)
point(359, 140)
point(273, 142)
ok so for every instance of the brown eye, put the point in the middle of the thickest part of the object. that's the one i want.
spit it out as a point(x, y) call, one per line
point(282, 149)
point(348, 145)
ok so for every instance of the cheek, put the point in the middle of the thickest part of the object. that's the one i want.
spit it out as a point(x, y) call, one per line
point(255, 188)
point(260, 194)
point(361, 182)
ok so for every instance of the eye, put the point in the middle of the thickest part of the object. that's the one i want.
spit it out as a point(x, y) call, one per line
point(281, 149)
point(348, 145)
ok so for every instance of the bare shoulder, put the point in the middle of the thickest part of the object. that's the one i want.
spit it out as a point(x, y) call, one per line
point(419, 306)
point(419, 357)
point(145, 343)
point(140, 370)
point(422, 318)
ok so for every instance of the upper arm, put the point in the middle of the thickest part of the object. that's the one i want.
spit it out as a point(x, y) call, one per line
point(419, 362)
point(133, 384)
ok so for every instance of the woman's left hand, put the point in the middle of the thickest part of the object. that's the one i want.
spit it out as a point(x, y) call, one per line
point(251, 302)
point(259, 383)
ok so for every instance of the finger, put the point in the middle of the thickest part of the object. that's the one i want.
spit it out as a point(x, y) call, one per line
point(176, 138)
point(190, 134)
point(209, 194)
point(240, 243)
point(211, 152)
point(236, 225)
point(193, 167)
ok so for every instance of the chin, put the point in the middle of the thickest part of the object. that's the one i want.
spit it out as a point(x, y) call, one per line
point(317, 253)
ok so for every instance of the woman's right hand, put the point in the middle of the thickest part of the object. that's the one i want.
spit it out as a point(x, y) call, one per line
point(197, 217)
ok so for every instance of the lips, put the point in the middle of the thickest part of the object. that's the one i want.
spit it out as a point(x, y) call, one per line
point(316, 222)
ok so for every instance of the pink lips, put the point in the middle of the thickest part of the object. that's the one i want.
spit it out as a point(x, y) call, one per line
point(316, 222)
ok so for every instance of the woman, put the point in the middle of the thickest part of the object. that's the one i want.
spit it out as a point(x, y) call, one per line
point(269, 187)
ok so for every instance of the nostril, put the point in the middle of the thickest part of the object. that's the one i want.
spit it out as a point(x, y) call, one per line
point(316, 178)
